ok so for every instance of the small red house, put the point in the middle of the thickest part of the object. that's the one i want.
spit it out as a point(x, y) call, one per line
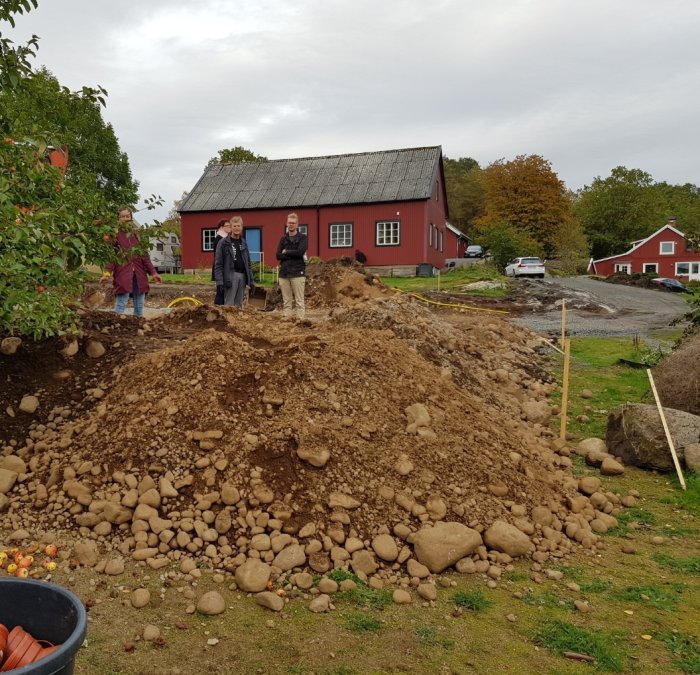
point(391, 205)
point(664, 254)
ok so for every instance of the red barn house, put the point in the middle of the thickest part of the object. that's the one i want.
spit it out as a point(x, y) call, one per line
point(664, 254)
point(391, 205)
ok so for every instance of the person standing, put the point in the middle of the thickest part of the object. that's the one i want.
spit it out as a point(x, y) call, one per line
point(360, 256)
point(130, 273)
point(232, 270)
point(223, 230)
point(291, 253)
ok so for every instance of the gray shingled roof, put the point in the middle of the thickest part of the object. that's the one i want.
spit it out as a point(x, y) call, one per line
point(391, 175)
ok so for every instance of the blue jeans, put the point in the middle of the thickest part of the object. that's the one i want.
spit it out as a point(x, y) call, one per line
point(121, 300)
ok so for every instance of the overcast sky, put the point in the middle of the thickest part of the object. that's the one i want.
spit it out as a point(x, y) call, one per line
point(587, 84)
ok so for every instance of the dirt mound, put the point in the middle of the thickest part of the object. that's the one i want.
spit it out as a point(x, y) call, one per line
point(238, 428)
point(678, 377)
point(334, 283)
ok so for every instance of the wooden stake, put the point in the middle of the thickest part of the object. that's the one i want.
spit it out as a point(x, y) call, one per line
point(676, 463)
point(565, 389)
point(563, 322)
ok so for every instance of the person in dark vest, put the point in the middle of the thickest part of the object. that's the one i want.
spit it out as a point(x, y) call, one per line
point(130, 273)
point(360, 256)
point(291, 253)
point(232, 270)
point(223, 230)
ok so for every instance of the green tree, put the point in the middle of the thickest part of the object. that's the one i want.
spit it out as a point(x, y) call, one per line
point(504, 242)
point(50, 223)
point(620, 209)
point(528, 194)
point(465, 191)
point(237, 154)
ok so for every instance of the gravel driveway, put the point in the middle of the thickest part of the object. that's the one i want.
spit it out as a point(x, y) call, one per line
point(599, 308)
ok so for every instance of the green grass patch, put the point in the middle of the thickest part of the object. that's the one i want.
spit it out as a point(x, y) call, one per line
point(689, 499)
point(453, 280)
point(362, 594)
point(358, 622)
point(560, 636)
point(474, 600)
point(685, 650)
point(548, 600)
point(632, 515)
point(596, 586)
point(429, 637)
point(595, 366)
point(515, 576)
point(684, 565)
point(659, 598)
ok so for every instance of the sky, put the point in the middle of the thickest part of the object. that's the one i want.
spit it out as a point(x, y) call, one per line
point(587, 84)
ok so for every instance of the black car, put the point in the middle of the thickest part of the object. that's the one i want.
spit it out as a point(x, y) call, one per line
point(474, 251)
point(671, 285)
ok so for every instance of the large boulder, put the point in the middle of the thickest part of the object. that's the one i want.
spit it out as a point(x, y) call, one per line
point(443, 545)
point(635, 434)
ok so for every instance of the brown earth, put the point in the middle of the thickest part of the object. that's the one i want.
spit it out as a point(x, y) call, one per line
point(237, 423)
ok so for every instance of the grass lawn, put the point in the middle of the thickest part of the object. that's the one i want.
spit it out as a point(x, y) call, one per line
point(454, 280)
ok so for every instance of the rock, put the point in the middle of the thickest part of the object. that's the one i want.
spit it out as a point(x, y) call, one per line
point(582, 606)
point(416, 569)
point(7, 480)
point(591, 445)
point(10, 345)
point(304, 580)
point(385, 547)
point(71, 349)
point(29, 404)
point(316, 456)
point(507, 538)
point(290, 557)
point(442, 545)
point(211, 603)
point(589, 484)
point(95, 349)
point(586, 393)
point(537, 412)
point(340, 499)
point(611, 467)
point(321, 603)
point(252, 576)
point(403, 465)
point(636, 435)
point(270, 600)
point(85, 552)
point(401, 597)
point(418, 416)
point(465, 566)
point(151, 632)
point(114, 566)
point(541, 515)
point(327, 586)
point(363, 562)
point(427, 591)
point(140, 598)
point(692, 457)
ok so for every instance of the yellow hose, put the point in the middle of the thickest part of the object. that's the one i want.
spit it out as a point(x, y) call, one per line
point(452, 304)
point(183, 299)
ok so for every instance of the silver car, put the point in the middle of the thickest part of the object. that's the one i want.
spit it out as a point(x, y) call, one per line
point(525, 267)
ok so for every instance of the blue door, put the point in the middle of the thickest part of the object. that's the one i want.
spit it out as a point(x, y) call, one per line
point(253, 237)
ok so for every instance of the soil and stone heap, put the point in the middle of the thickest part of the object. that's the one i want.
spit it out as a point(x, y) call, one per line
point(382, 438)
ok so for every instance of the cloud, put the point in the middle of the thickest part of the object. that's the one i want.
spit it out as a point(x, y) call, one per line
point(589, 85)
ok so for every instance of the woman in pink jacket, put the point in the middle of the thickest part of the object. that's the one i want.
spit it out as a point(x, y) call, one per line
point(130, 275)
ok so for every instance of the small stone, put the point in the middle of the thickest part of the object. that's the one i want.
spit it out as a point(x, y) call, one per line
point(211, 603)
point(401, 597)
point(95, 349)
point(140, 598)
point(151, 632)
point(582, 606)
point(320, 604)
point(29, 404)
point(270, 600)
point(628, 548)
point(10, 345)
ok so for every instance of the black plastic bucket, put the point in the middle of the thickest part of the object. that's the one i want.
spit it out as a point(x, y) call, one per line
point(48, 612)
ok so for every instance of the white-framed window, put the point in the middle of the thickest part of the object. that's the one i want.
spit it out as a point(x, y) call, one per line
point(624, 268)
point(430, 235)
point(341, 235)
point(159, 246)
point(173, 239)
point(441, 236)
point(682, 269)
point(208, 237)
point(388, 233)
point(650, 268)
point(667, 247)
point(304, 229)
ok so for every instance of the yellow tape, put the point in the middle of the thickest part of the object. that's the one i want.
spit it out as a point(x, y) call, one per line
point(452, 304)
point(183, 299)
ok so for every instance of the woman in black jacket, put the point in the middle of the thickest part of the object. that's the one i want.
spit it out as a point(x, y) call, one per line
point(222, 231)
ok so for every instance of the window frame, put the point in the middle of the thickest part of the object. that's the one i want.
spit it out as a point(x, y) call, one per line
point(392, 242)
point(626, 265)
point(661, 248)
point(212, 232)
point(347, 224)
point(682, 274)
point(650, 264)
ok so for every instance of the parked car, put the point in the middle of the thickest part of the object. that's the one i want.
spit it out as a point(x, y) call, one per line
point(525, 267)
point(474, 251)
point(671, 284)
